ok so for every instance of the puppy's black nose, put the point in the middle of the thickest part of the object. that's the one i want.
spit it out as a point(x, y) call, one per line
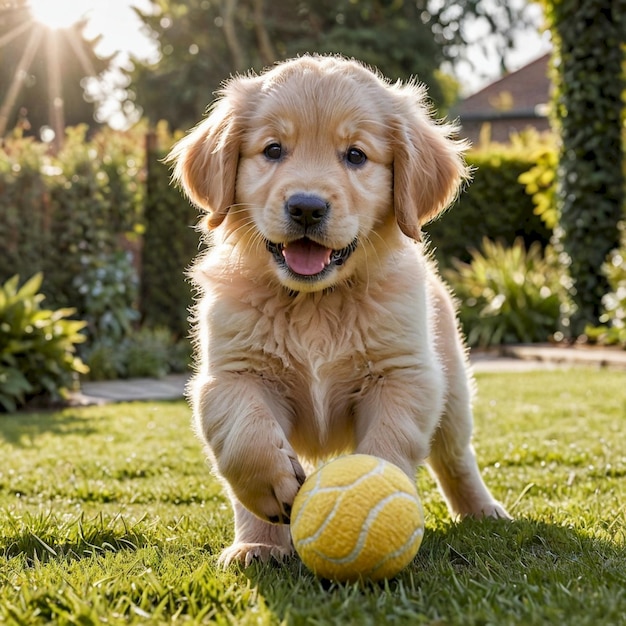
point(306, 209)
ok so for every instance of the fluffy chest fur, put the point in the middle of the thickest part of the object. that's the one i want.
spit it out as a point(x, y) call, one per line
point(319, 352)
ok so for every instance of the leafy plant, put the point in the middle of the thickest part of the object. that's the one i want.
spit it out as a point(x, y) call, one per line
point(148, 352)
point(612, 328)
point(170, 244)
point(61, 214)
point(37, 346)
point(105, 359)
point(509, 295)
point(540, 184)
point(108, 285)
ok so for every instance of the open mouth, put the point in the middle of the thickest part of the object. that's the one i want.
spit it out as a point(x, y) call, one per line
point(307, 258)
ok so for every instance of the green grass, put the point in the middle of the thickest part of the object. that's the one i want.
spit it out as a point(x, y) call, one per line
point(110, 515)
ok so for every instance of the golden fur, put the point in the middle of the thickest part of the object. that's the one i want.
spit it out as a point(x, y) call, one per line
point(320, 164)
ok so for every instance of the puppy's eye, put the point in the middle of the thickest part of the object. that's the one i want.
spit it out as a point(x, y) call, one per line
point(273, 152)
point(354, 156)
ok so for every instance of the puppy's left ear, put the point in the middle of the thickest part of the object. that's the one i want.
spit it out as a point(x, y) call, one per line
point(428, 166)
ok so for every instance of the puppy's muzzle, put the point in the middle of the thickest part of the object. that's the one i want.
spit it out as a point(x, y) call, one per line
point(304, 255)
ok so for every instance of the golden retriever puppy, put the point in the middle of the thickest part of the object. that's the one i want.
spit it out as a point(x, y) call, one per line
point(322, 328)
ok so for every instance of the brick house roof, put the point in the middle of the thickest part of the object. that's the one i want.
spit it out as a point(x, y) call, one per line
point(511, 104)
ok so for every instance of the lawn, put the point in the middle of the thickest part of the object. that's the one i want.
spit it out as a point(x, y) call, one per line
point(110, 515)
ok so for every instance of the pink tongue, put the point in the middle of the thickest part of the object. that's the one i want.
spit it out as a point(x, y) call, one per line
point(306, 257)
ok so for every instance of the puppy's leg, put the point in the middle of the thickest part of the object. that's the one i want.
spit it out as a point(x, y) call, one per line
point(398, 413)
point(454, 465)
point(256, 539)
point(243, 425)
point(452, 458)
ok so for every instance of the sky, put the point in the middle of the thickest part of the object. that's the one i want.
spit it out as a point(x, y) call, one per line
point(529, 45)
point(121, 32)
point(113, 19)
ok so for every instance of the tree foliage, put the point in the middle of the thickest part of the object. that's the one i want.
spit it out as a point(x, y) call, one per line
point(30, 55)
point(204, 41)
point(589, 41)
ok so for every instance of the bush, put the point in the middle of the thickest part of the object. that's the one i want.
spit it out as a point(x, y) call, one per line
point(79, 218)
point(37, 346)
point(540, 183)
point(509, 294)
point(495, 205)
point(60, 214)
point(588, 109)
point(149, 352)
point(612, 330)
point(105, 359)
point(108, 285)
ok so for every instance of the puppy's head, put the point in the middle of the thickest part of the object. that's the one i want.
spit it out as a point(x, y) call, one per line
point(317, 167)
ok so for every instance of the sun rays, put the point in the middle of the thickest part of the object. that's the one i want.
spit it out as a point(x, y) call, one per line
point(48, 25)
point(59, 14)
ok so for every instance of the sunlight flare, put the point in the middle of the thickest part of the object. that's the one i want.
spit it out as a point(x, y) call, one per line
point(60, 13)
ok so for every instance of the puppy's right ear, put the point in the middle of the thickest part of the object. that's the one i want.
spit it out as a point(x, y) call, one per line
point(205, 161)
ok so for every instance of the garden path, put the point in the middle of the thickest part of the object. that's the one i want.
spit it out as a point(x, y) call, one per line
point(519, 358)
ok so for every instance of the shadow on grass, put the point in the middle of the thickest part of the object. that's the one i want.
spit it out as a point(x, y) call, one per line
point(20, 429)
point(527, 569)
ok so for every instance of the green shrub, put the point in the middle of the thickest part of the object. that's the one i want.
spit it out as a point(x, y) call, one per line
point(612, 328)
point(78, 217)
point(495, 205)
point(108, 284)
point(588, 109)
point(156, 352)
point(509, 294)
point(106, 360)
point(60, 214)
point(540, 183)
point(24, 206)
point(37, 346)
point(148, 352)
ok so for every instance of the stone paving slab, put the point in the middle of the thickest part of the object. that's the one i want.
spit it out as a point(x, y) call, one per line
point(518, 358)
point(595, 356)
point(135, 389)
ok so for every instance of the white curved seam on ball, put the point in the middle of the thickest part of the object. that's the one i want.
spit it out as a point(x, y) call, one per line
point(418, 532)
point(365, 529)
point(378, 469)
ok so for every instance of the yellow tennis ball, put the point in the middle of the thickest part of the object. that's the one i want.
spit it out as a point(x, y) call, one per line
point(357, 518)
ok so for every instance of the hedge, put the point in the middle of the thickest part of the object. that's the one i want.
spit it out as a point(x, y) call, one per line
point(495, 204)
point(60, 214)
point(170, 243)
point(588, 109)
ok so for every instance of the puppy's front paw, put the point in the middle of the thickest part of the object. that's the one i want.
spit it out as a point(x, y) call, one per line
point(492, 509)
point(246, 553)
point(265, 480)
point(496, 511)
